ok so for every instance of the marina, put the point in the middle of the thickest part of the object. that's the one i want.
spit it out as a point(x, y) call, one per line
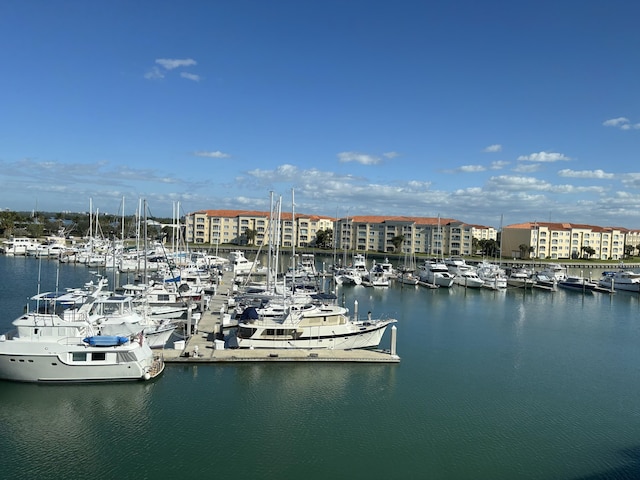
point(201, 347)
point(499, 384)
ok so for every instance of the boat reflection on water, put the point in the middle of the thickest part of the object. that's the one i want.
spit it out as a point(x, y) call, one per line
point(67, 418)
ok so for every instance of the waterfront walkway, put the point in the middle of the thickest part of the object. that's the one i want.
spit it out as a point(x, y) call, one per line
point(204, 347)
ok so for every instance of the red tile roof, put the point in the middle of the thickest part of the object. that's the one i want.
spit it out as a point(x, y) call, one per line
point(563, 226)
point(255, 213)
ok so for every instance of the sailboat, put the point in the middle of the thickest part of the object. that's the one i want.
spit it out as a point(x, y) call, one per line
point(407, 270)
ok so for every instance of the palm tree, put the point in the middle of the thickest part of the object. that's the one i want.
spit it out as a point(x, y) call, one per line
point(524, 249)
point(324, 238)
point(397, 242)
point(250, 235)
point(587, 251)
point(628, 250)
point(7, 222)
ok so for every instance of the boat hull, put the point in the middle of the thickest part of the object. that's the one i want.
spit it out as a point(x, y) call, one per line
point(49, 363)
point(364, 336)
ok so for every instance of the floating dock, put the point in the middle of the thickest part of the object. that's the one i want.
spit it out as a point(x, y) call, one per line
point(203, 345)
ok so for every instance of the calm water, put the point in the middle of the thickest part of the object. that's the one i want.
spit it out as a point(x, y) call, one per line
point(491, 386)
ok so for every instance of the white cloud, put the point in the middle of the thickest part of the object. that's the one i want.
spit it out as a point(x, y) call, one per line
point(493, 148)
point(615, 122)
point(168, 64)
point(518, 183)
point(544, 157)
point(190, 76)
point(154, 74)
point(631, 180)
point(471, 168)
point(527, 168)
point(390, 155)
point(623, 123)
point(498, 165)
point(171, 63)
point(216, 154)
point(361, 158)
point(596, 174)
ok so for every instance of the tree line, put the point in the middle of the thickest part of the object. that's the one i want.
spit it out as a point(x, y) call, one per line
point(41, 224)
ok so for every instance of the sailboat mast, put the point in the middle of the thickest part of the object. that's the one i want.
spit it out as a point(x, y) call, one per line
point(271, 240)
point(500, 257)
point(293, 243)
point(279, 216)
point(145, 240)
point(122, 226)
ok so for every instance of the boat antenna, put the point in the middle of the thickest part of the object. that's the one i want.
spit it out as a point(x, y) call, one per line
point(57, 276)
point(39, 277)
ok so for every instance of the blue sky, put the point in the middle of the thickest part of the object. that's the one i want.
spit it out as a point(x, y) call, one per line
point(521, 110)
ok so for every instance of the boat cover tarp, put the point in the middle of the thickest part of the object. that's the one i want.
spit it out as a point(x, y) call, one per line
point(249, 313)
point(105, 340)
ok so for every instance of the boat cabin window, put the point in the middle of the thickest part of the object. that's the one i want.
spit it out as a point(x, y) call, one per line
point(98, 356)
point(244, 332)
point(272, 332)
point(79, 356)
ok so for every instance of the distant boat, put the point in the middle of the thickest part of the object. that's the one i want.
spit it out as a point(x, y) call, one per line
point(240, 264)
point(520, 278)
point(468, 277)
point(625, 280)
point(544, 281)
point(493, 275)
point(435, 272)
point(464, 275)
point(376, 277)
point(576, 283)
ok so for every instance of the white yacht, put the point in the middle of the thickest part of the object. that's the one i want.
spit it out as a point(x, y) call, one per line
point(314, 327)
point(455, 263)
point(240, 264)
point(464, 275)
point(376, 277)
point(160, 300)
point(115, 315)
point(360, 264)
point(407, 278)
point(625, 280)
point(435, 272)
point(468, 277)
point(19, 245)
point(555, 270)
point(520, 278)
point(45, 347)
point(492, 275)
point(387, 268)
point(304, 268)
point(347, 276)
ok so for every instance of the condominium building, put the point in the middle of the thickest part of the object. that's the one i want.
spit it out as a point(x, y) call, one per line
point(430, 235)
point(216, 227)
point(567, 240)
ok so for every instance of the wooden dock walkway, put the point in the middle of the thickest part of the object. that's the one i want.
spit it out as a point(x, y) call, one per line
point(203, 346)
